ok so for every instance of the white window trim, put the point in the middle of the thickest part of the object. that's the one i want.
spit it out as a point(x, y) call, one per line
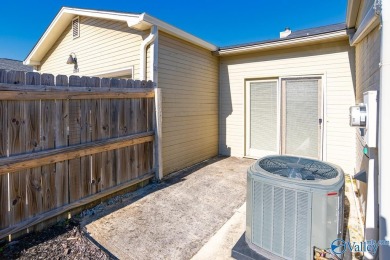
point(78, 29)
point(117, 73)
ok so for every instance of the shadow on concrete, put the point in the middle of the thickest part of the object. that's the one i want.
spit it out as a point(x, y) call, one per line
point(121, 201)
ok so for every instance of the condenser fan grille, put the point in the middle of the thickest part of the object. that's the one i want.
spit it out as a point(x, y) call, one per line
point(298, 168)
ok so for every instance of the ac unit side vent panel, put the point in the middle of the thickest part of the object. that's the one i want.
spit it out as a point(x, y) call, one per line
point(281, 220)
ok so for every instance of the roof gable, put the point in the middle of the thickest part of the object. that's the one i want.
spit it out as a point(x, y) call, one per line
point(137, 21)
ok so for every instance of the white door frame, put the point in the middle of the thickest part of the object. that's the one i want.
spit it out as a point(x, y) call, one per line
point(279, 84)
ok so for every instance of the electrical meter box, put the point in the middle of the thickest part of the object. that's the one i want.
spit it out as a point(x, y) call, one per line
point(357, 116)
point(365, 116)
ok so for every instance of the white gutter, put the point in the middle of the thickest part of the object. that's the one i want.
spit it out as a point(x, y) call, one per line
point(142, 60)
point(384, 133)
point(352, 12)
point(284, 43)
point(370, 21)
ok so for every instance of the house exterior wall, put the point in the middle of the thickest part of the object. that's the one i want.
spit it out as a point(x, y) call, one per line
point(188, 77)
point(103, 46)
point(367, 78)
point(332, 60)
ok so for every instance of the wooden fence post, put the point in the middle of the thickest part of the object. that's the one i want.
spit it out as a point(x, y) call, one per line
point(158, 133)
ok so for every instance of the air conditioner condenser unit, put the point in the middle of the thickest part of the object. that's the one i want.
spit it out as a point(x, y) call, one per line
point(293, 205)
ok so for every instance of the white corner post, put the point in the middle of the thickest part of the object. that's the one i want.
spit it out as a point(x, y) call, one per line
point(158, 134)
point(384, 133)
point(152, 40)
point(158, 108)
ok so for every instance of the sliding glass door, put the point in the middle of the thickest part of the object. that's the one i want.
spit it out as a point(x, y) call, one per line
point(285, 119)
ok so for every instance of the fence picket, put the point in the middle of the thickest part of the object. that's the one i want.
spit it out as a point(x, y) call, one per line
point(33, 143)
point(4, 200)
point(16, 145)
point(48, 140)
point(95, 124)
point(107, 173)
point(85, 162)
point(75, 178)
point(61, 137)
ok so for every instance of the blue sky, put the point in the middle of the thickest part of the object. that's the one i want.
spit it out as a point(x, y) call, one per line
point(219, 22)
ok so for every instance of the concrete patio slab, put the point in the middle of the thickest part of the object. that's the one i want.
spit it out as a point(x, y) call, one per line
point(174, 219)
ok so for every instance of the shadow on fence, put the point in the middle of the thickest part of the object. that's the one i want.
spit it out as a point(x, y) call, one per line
point(67, 141)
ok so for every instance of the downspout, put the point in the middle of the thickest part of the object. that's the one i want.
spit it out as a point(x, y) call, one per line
point(150, 39)
point(384, 132)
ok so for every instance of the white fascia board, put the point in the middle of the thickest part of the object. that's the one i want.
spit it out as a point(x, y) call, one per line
point(100, 14)
point(352, 13)
point(285, 43)
point(165, 27)
point(28, 61)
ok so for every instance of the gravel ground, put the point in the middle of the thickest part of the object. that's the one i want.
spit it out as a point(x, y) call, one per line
point(65, 240)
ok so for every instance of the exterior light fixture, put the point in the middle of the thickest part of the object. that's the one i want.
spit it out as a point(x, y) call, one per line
point(73, 60)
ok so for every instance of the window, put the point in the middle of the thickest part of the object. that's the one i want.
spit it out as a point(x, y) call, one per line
point(120, 74)
point(76, 27)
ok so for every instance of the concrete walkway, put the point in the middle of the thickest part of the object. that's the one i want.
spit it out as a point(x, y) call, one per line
point(219, 247)
point(174, 219)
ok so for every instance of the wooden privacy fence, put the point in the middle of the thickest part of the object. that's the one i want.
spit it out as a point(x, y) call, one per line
point(65, 142)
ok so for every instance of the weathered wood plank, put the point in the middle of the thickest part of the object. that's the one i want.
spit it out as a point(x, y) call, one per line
point(150, 117)
point(45, 216)
point(25, 161)
point(107, 174)
point(75, 181)
point(123, 161)
point(48, 142)
point(71, 93)
point(61, 136)
point(114, 125)
point(16, 145)
point(131, 127)
point(136, 122)
point(33, 144)
point(95, 134)
point(85, 135)
point(4, 200)
point(143, 156)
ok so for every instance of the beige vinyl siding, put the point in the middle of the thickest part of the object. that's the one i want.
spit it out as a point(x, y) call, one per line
point(188, 76)
point(367, 78)
point(103, 46)
point(332, 60)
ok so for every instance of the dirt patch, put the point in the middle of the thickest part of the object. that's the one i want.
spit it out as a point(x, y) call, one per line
point(65, 240)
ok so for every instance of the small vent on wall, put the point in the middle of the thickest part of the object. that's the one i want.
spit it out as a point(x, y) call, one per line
point(76, 27)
